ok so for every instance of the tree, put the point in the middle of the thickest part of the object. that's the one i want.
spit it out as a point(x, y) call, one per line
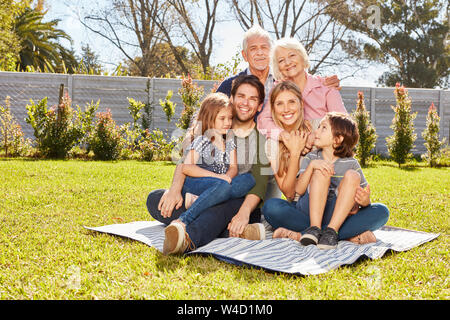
point(115, 23)
point(402, 141)
point(9, 44)
point(431, 136)
point(409, 36)
point(89, 61)
point(39, 42)
point(164, 62)
point(196, 27)
point(158, 25)
point(311, 22)
point(367, 133)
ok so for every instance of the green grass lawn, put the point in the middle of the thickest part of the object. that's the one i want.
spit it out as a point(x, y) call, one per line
point(45, 253)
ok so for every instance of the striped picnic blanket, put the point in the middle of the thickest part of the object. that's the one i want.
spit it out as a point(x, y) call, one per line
point(280, 255)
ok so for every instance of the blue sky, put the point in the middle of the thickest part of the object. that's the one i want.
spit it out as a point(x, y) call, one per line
point(228, 34)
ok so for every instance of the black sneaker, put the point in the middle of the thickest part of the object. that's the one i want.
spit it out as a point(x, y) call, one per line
point(328, 240)
point(311, 236)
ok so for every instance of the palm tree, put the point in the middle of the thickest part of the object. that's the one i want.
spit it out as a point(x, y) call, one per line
point(39, 43)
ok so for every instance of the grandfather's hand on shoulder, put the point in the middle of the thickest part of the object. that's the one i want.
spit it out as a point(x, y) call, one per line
point(332, 82)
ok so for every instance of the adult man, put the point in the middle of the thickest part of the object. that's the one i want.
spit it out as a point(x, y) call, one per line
point(256, 47)
point(237, 216)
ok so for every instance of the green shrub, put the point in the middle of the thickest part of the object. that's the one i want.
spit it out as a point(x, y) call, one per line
point(190, 94)
point(402, 141)
point(85, 120)
point(106, 140)
point(12, 138)
point(135, 108)
point(168, 106)
point(54, 128)
point(367, 133)
point(146, 147)
point(162, 148)
point(431, 136)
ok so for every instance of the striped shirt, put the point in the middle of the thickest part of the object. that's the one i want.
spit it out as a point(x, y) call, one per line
point(341, 165)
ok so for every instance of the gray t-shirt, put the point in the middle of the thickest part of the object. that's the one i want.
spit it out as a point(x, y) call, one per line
point(341, 165)
point(212, 158)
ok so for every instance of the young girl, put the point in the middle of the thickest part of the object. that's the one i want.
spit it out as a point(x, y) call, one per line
point(210, 167)
point(334, 178)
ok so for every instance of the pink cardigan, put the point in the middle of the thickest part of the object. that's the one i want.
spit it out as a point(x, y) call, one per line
point(318, 99)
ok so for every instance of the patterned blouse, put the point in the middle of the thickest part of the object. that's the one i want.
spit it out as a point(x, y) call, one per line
point(211, 157)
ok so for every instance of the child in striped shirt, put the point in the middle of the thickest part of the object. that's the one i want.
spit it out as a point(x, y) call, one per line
point(332, 180)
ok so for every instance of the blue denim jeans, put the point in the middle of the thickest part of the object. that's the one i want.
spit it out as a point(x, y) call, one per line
point(295, 216)
point(212, 191)
point(212, 223)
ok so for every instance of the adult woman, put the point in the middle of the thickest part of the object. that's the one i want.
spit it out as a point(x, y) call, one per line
point(291, 62)
point(284, 156)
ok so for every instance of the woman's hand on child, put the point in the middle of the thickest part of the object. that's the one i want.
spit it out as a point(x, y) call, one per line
point(362, 196)
point(295, 140)
point(323, 166)
point(309, 144)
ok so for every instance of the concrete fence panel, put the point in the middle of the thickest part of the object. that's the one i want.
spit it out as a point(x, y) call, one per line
point(114, 91)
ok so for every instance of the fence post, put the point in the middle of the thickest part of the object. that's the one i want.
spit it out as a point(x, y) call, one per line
point(61, 93)
point(373, 116)
point(149, 104)
point(60, 101)
point(441, 114)
point(70, 86)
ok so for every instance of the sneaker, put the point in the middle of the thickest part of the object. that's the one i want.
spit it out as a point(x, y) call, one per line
point(328, 240)
point(254, 231)
point(311, 236)
point(286, 233)
point(176, 239)
point(363, 238)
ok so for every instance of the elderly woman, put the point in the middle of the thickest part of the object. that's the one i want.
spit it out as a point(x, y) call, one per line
point(291, 62)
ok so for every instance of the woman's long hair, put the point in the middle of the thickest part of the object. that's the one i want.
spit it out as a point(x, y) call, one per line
point(301, 124)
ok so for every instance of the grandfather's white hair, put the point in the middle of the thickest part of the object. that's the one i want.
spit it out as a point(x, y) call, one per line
point(288, 43)
point(255, 31)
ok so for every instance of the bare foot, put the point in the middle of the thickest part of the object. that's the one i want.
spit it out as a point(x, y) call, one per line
point(286, 233)
point(363, 238)
point(189, 199)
